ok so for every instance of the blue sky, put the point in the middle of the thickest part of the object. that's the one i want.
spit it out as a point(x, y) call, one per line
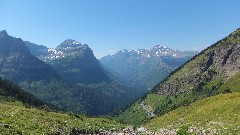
point(110, 25)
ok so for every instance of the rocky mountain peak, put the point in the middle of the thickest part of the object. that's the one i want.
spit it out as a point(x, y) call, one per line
point(70, 42)
point(68, 48)
point(3, 33)
point(156, 51)
point(160, 46)
point(9, 44)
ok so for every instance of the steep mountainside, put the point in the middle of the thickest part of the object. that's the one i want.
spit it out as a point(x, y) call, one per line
point(18, 64)
point(37, 50)
point(215, 70)
point(75, 62)
point(146, 67)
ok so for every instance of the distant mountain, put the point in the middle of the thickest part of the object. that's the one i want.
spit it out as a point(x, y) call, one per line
point(18, 64)
point(146, 67)
point(37, 50)
point(75, 62)
point(214, 71)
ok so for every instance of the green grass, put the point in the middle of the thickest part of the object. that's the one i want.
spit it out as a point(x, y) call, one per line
point(135, 115)
point(232, 84)
point(155, 100)
point(17, 119)
point(219, 113)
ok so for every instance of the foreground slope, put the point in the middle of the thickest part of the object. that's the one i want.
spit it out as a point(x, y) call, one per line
point(214, 115)
point(17, 119)
point(207, 74)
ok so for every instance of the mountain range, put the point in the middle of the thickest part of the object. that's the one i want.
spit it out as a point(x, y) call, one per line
point(146, 67)
point(74, 83)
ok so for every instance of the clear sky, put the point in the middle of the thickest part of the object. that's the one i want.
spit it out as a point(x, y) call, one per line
point(110, 25)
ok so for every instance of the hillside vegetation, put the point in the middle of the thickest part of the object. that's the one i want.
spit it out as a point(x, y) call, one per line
point(17, 119)
point(214, 71)
point(214, 115)
point(12, 92)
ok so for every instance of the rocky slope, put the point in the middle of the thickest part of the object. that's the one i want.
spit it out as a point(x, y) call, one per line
point(209, 73)
point(145, 67)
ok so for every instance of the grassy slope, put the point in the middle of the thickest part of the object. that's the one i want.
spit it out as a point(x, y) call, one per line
point(155, 100)
point(220, 113)
point(17, 119)
point(232, 83)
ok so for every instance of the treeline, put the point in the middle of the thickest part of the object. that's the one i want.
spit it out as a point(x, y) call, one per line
point(12, 92)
